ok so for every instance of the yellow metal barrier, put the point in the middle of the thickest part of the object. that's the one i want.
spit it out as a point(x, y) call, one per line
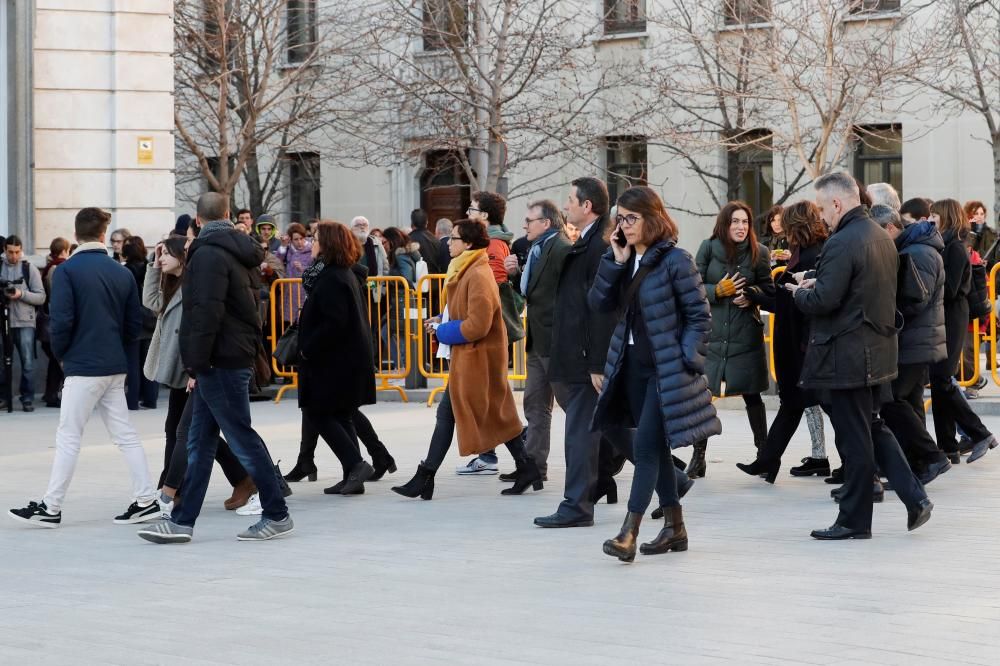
point(769, 336)
point(429, 296)
point(286, 299)
point(992, 335)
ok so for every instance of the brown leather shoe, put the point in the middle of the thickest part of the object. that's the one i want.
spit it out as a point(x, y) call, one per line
point(241, 494)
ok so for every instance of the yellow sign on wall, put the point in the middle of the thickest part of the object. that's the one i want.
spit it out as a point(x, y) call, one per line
point(144, 149)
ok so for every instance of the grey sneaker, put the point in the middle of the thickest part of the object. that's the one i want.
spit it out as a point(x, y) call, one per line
point(166, 532)
point(267, 529)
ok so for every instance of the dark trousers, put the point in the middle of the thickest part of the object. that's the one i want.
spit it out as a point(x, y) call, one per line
point(444, 432)
point(138, 389)
point(221, 401)
point(362, 427)
point(53, 376)
point(177, 427)
point(654, 466)
point(905, 416)
point(794, 402)
point(951, 408)
point(338, 431)
point(863, 440)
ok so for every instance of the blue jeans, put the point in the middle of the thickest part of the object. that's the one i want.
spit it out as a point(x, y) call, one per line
point(654, 466)
point(23, 340)
point(221, 400)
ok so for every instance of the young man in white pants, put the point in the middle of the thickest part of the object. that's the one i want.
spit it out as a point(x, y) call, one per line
point(95, 316)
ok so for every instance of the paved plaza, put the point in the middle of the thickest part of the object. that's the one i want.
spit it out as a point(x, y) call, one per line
point(467, 579)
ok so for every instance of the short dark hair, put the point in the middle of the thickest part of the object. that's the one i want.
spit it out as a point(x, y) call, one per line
point(473, 232)
point(12, 241)
point(337, 245)
point(595, 191)
point(657, 225)
point(493, 204)
point(134, 249)
point(91, 224)
point(244, 210)
point(916, 208)
point(418, 219)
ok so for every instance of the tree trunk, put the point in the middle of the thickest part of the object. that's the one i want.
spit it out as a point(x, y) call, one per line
point(251, 176)
point(996, 179)
point(732, 175)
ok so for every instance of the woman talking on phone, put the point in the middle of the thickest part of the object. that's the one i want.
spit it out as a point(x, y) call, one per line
point(654, 374)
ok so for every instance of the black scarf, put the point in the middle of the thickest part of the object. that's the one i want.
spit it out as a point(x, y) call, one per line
point(311, 274)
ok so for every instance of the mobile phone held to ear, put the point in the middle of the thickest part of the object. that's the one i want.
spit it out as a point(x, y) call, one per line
point(619, 238)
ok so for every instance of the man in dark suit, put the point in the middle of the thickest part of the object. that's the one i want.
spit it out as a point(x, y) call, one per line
point(852, 355)
point(537, 282)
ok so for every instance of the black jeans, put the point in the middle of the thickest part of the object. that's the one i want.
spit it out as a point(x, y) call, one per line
point(338, 431)
point(138, 389)
point(905, 416)
point(53, 375)
point(177, 399)
point(444, 432)
point(654, 466)
point(950, 407)
point(863, 439)
point(794, 401)
point(173, 475)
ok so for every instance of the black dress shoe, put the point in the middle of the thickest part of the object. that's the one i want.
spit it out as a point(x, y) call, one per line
point(556, 520)
point(954, 457)
point(767, 470)
point(836, 476)
point(878, 494)
point(837, 532)
point(812, 466)
point(934, 470)
point(919, 514)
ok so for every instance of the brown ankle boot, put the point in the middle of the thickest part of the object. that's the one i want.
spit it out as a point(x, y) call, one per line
point(623, 545)
point(241, 494)
point(673, 536)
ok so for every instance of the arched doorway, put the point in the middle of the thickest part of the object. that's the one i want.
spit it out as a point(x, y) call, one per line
point(444, 187)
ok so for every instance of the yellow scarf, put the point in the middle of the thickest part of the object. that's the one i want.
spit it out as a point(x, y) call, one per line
point(458, 266)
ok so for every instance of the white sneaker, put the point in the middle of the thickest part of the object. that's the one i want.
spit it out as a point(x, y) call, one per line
point(478, 466)
point(251, 508)
point(166, 508)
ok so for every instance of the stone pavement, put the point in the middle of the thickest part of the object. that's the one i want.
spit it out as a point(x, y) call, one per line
point(467, 579)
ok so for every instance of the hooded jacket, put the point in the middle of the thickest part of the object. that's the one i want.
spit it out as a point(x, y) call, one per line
point(221, 326)
point(920, 294)
point(498, 250)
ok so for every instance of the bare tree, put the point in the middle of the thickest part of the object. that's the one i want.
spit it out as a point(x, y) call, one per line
point(255, 80)
point(499, 84)
point(961, 62)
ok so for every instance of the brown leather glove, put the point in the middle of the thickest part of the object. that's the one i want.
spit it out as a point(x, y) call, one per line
point(725, 288)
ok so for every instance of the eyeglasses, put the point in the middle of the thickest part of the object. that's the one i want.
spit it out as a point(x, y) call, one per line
point(529, 220)
point(473, 209)
point(454, 238)
point(629, 220)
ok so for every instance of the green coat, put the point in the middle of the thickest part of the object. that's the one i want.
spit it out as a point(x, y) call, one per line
point(736, 352)
point(541, 293)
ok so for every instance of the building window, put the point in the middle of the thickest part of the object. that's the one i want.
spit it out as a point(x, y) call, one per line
point(626, 164)
point(861, 6)
point(878, 157)
point(214, 164)
point(301, 28)
point(755, 170)
point(740, 12)
point(445, 22)
point(624, 16)
point(303, 187)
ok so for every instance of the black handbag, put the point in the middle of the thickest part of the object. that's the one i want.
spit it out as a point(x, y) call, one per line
point(286, 351)
point(979, 297)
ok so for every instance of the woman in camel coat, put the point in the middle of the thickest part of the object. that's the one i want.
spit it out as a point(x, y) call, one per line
point(478, 400)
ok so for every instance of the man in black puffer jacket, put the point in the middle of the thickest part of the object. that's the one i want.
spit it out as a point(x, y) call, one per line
point(852, 354)
point(920, 297)
point(218, 339)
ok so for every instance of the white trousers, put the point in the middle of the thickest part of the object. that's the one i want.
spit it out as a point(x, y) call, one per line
point(80, 397)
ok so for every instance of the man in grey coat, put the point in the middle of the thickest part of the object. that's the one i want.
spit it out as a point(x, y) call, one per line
point(24, 296)
point(852, 355)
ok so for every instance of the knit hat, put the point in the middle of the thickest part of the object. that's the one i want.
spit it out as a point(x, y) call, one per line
point(183, 222)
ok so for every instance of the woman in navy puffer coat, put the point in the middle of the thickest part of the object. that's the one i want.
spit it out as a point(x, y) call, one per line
point(654, 374)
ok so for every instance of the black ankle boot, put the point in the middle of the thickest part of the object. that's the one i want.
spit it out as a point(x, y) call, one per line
point(354, 484)
point(696, 468)
point(527, 475)
point(673, 536)
point(381, 461)
point(757, 414)
point(606, 487)
point(421, 485)
point(304, 467)
point(758, 467)
point(623, 546)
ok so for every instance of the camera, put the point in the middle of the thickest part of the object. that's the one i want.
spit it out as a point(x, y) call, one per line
point(9, 287)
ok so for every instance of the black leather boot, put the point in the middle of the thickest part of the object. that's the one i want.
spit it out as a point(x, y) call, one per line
point(757, 414)
point(381, 461)
point(758, 467)
point(623, 546)
point(354, 484)
point(304, 467)
point(673, 536)
point(421, 485)
point(527, 475)
point(696, 468)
